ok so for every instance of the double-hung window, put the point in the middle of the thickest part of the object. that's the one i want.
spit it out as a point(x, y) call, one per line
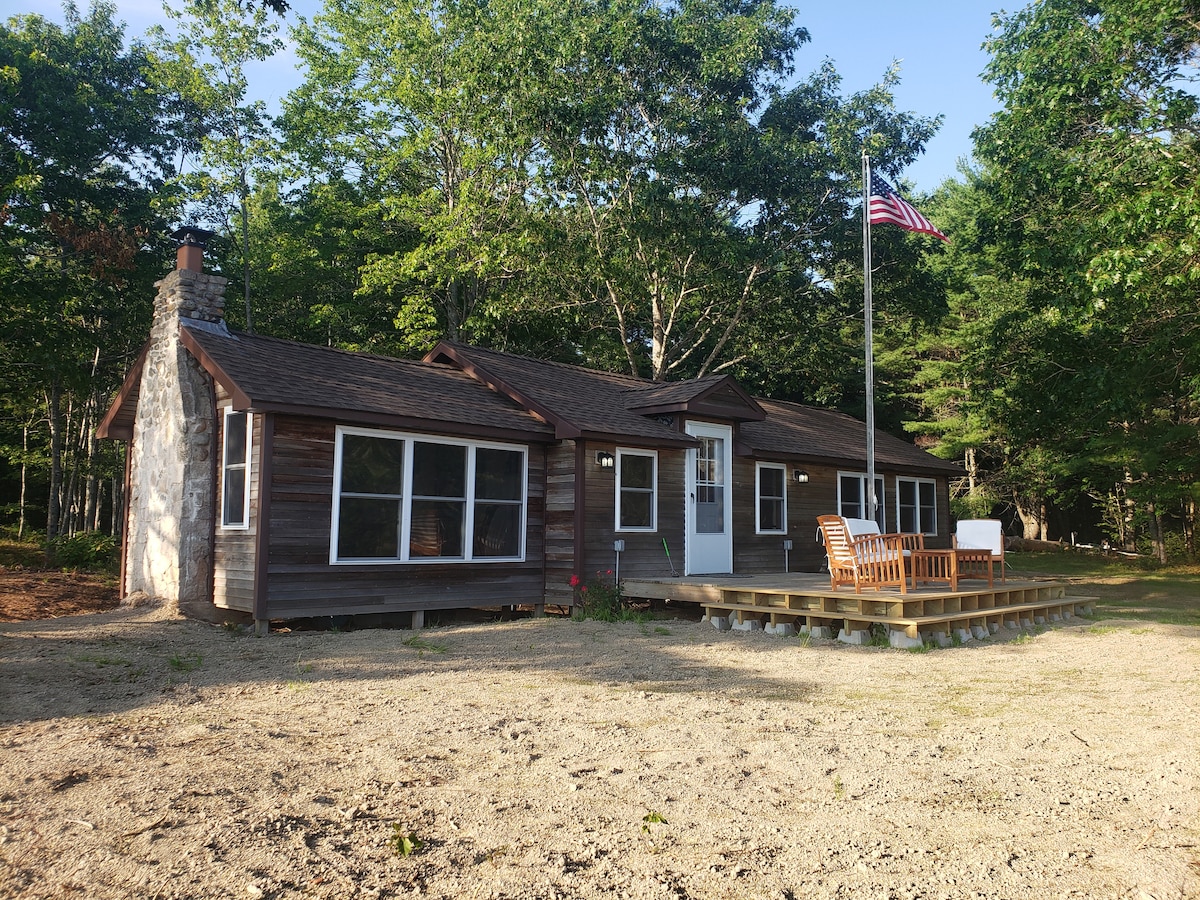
point(637, 490)
point(916, 505)
point(771, 488)
point(408, 498)
point(853, 500)
point(235, 470)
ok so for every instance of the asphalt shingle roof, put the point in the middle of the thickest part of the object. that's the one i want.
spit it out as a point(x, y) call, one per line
point(471, 390)
point(803, 432)
point(285, 375)
point(583, 402)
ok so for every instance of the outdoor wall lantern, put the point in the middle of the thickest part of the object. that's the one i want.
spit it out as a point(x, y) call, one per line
point(799, 476)
point(605, 460)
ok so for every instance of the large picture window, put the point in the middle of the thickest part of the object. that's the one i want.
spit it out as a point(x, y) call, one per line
point(853, 501)
point(235, 470)
point(916, 505)
point(637, 489)
point(771, 488)
point(409, 498)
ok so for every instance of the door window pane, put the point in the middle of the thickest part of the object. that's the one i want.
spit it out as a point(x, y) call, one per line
point(710, 486)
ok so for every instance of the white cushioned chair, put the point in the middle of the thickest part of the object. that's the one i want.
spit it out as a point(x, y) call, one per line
point(981, 534)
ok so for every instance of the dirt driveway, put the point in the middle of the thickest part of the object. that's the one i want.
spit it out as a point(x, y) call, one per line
point(143, 756)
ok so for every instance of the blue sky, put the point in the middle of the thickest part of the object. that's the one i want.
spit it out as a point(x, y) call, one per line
point(936, 41)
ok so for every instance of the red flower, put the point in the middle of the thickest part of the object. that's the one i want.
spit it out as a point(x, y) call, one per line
point(574, 581)
point(583, 590)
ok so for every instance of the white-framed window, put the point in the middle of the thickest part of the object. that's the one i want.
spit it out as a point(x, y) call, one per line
point(853, 502)
point(916, 505)
point(416, 498)
point(771, 490)
point(237, 433)
point(637, 490)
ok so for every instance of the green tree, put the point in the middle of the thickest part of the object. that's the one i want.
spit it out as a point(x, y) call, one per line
point(426, 103)
point(82, 155)
point(202, 69)
point(1092, 165)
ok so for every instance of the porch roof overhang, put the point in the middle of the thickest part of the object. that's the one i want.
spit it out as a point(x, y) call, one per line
point(717, 397)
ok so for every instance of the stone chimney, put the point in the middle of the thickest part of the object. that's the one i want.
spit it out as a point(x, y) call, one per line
point(172, 469)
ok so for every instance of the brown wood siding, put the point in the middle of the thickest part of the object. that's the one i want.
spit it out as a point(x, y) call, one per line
point(560, 522)
point(304, 583)
point(755, 553)
point(644, 556)
point(233, 549)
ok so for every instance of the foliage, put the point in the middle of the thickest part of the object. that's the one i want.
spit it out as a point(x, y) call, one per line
point(652, 818)
point(185, 662)
point(404, 843)
point(1093, 164)
point(421, 644)
point(89, 551)
point(625, 185)
point(1067, 368)
point(600, 599)
point(202, 69)
point(20, 553)
point(83, 157)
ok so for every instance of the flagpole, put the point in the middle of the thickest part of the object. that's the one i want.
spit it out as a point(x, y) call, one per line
point(868, 328)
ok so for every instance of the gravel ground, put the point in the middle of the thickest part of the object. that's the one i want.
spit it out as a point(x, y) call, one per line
point(142, 755)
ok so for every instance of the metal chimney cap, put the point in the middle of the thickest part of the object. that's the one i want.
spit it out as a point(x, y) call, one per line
point(191, 236)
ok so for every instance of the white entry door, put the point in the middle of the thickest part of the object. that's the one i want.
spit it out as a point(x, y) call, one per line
point(709, 501)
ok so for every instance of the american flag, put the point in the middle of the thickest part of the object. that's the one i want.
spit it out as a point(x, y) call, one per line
point(889, 208)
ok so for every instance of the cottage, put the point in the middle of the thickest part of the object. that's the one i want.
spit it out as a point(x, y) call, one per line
point(286, 480)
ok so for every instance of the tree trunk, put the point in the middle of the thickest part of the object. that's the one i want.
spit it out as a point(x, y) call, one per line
point(24, 480)
point(245, 195)
point(1189, 526)
point(1033, 518)
point(53, 507)
point(971, 464)
point(1160, 545)
point(1129, 535)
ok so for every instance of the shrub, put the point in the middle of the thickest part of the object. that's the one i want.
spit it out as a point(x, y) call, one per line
point(601, 599)
point(90, 550)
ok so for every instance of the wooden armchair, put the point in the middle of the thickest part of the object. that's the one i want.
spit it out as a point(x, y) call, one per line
point(909, 541)
point(870, 560)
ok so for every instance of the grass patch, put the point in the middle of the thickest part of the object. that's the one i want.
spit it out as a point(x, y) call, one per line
point(185, 662)
point(1124, 588)
point(423, 644)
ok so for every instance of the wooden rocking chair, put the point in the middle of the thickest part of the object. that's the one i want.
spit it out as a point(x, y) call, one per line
point(872, 560)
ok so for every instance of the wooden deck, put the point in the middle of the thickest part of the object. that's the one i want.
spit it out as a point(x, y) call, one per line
point(802, 602)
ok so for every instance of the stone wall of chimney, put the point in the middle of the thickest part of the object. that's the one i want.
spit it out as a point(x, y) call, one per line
point(172, 500)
